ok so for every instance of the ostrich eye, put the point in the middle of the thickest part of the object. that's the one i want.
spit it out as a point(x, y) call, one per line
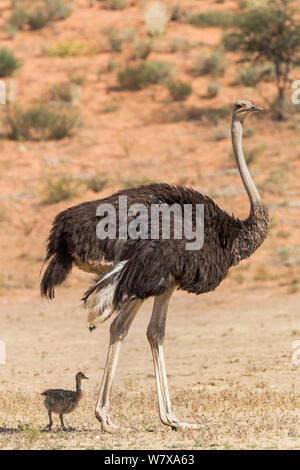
point(239, 106)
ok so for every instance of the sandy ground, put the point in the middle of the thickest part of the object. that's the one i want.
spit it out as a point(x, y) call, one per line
point(229, 364)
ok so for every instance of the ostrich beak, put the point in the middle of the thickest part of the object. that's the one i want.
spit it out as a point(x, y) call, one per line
point(257, 108)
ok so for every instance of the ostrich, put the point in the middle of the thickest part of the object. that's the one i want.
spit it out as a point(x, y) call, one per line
point(132, 270)
point(63, 401)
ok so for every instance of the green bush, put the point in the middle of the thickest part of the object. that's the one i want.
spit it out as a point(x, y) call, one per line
point(62, 92)
point(58, 189)
point(96, 183)
point(116, 4)
point(36, 14)
point(215, 64)
point(8, 62)
point(69, 48)
point(252, 75)
point(179, 90)
point(213, 18)
point(115, 39)
point(145, 74)
point(142, 49)
point(40, 122)
point(213, 89)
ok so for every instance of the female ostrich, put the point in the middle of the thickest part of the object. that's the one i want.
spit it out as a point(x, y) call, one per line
point(132, 270)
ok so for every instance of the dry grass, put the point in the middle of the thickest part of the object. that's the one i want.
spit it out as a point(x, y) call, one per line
point(237, 418)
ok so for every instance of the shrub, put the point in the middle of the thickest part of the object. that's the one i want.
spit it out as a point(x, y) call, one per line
point(36, 14)
point(252, 75)
point(213, 89)
point(116, 4)
point(115, 39)
point(214, 65)
point(213, 18)
point(96, 183)
point(63, 92)
point(16, 21)
point(179, 90)
point(142, 49)
point(8, 62)
point(41, 122)
point(178, 13)
point(58, 189)
point(70, 48)
point(156, 17)
point(145, 74)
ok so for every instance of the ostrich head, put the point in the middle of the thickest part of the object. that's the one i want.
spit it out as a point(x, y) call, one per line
point(242, 108)
point(80, 376)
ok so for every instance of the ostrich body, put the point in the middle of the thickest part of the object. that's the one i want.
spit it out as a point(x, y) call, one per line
point(131, 271)
point(63, 401)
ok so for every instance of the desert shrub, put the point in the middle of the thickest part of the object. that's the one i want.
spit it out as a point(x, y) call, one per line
point(96, 183)
point(69, 48)
point(16, 21)
point(213, 89)
point(215, 64)
point(252, 75)
point(58, 189)
point(76, 77)
point(8, 62)
point(62, 92)
point(145, 74)
point(213, 18)
point(179, 90)
point(115, 39)
point(178, 12)
point(156, 17)
point(40, 122)
point(142, 49)
point(116, 4)
point(36, 14)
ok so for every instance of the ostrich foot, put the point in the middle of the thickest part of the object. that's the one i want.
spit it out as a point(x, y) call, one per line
point(171, 420)
point(108, 425)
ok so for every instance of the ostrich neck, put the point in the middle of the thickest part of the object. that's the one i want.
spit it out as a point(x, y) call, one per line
point(237, 133)
point(255, 228)
point(78, 385)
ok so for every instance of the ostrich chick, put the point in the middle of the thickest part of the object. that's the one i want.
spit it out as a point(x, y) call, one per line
point(63, 401)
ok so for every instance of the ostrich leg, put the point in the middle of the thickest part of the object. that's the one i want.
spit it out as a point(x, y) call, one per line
point(155, 335)
point(118, 331)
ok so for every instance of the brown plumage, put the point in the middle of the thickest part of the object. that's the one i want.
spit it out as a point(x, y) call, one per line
point(63, 402)
point(132, 270)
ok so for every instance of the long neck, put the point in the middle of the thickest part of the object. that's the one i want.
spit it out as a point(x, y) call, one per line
point(255, 228)
point(78, 384)
point(237, 133)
